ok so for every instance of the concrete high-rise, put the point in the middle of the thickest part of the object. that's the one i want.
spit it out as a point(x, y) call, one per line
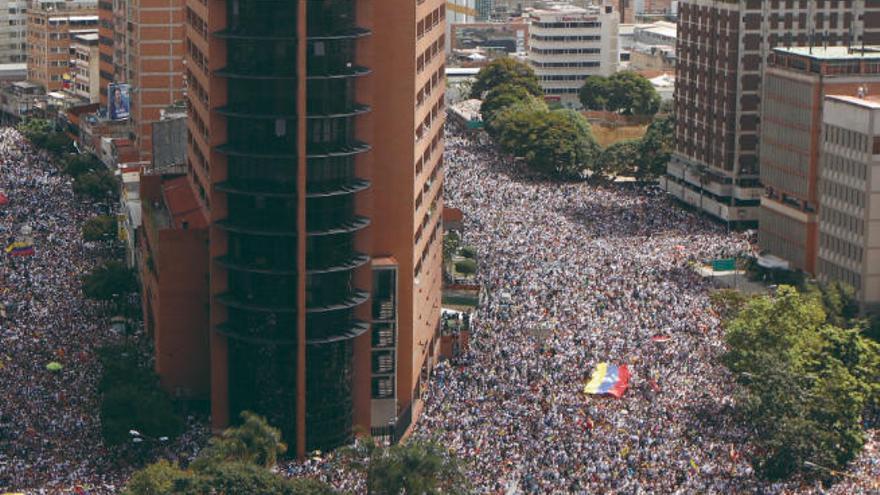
point(849, 192)
point(722, 51)
point(568, 44)
point(50, 27)
point(13, 31)
point(796, 81)
point(315, 155)
point(142, 44)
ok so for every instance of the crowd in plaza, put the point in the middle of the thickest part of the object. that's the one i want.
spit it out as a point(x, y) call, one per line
point(50, 440)
point(574, 275)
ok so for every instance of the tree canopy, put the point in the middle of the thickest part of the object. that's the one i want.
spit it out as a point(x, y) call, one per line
point(42, 134)
point(239, 461)
point(656, 146)
point(805, 383)
point(110, 280)
point(505, 71)
point(416, 466)
point(100, 227)
point(131, 398)
point(96, 185)
point(557, 145)
point(624, 92)
point(619, 159)
point(501, 97)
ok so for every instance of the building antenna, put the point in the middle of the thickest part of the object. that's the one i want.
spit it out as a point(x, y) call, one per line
point(812, 34)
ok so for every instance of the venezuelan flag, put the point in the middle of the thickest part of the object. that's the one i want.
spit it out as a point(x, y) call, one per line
point(608, 379)
point(19, 248)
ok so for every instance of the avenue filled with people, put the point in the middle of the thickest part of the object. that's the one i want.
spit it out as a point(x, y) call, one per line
point(575, 275)
point(50, 437)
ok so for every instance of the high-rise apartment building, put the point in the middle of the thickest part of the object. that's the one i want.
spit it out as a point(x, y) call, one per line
point(142, 45)
point(567, 44)
point(13, 31)
point(722, 50)
point(50, 27)
point(315, 153)
point(849, 192)
point(796, 81)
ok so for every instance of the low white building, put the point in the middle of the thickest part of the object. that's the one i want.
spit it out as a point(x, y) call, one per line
point(86, 70)
point(568, 44)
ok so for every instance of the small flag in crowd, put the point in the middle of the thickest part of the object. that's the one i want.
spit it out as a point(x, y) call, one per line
point(20, 248)
point(661, 338)
point(608, 379)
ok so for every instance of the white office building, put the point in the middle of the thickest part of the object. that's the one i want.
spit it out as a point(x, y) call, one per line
point(568, 44)
point(849, 195)
point(13, 31)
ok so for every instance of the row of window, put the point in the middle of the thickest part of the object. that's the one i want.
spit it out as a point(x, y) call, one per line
point(432, 51)
point(548, 65)
point(846, 166)
point(843, 193)
point(850, 223)
point(197, 24)
point(849, 139)
point(541, 37)
point(841, 247)
point(426, 90)
point(564, 51)
point(430, 21)
point(568, 25)
point(429, 151)
point(832, 271)
point(428, 248)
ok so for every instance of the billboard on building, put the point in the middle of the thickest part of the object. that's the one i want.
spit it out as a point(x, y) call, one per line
point(119, 105)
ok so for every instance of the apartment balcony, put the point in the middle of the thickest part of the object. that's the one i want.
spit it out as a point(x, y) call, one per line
point(338, 302)
point(341, 187)
point(322, 329)
point(319, 263)
point(261, 266)
point(327, 150)
point(260, 304)
point(257, 187)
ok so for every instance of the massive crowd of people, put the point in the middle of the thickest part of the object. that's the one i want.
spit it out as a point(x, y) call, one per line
point(50, 440)
point(575, 275)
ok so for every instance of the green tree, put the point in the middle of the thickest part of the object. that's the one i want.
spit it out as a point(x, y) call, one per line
point(557, 145)
point(239, 462)
point(624, 92)
point(97, 185)
point(242, 478)
point(254, 441)
point(505, 71)
point(149, 411)
point(514, 126)
point(804, 383)
point(36, 131)
point(79, 164)
point(158, 478)
point(594, 93)
point(100, 227)
point(619, 159)
point(112, 279)
point(656, 146)
point(416, 466)
point(501, 97)
point(466, 267)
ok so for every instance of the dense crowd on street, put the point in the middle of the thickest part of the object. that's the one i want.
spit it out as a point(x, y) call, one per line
point(575, 275)
point(50, 440)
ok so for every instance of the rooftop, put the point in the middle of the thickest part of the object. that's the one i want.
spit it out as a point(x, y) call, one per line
point(871, 102)
point(832, 52)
